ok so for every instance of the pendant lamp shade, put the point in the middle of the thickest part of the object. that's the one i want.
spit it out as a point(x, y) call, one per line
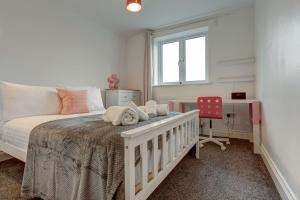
point(134, 5)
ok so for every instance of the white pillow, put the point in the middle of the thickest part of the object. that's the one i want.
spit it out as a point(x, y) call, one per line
point(94, 97)
point(95, 102)
point(24, 101)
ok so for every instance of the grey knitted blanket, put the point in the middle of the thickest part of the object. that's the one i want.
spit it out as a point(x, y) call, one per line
point(76, 159)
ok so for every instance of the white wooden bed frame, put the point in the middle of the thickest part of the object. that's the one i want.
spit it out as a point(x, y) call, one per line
point(181, 129)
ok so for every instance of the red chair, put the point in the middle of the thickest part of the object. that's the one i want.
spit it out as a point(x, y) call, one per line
point(211, 108)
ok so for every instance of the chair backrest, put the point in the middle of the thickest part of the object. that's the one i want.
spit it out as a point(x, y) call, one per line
point(210, 107)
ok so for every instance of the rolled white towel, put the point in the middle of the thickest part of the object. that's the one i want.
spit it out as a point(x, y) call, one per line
point(143, 116)
point(151, 108)
point(162, 109)
point(119, 115)
point(143, 108)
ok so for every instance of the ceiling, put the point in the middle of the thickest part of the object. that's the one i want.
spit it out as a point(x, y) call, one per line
point(155, 13)
point(113, 13)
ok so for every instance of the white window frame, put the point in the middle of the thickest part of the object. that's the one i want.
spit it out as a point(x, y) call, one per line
point(181, 62)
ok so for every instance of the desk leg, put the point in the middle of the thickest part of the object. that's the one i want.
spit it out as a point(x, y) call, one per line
point(171, 106)
point(251, 121)
point(256, 121)
point(181, 107)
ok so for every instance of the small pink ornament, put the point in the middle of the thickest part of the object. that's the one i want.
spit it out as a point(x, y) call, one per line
point(113, 81)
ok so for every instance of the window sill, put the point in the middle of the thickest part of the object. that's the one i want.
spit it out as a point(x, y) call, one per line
point(183, 84)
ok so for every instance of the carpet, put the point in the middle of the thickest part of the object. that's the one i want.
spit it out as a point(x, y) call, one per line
point(235, 174)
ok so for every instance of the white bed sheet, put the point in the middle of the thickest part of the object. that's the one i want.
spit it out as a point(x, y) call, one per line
point(16, 132)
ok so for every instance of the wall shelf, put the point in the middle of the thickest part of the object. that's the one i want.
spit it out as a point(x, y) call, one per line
point(236, 62)
point(232, 79)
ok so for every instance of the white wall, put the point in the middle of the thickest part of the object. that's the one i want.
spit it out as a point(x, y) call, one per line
point(135, 52)
point(230, 37)
point(44, 43)
point(278, 84)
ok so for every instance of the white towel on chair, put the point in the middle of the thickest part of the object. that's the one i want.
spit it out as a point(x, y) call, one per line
point(143, 116)
point(151, 108)
point(119, 115)
point(162, 109)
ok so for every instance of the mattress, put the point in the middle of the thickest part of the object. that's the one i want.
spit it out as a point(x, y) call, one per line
point(16, 132)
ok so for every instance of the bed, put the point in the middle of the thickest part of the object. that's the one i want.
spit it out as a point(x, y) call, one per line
point(171, 138)
point(14, 134)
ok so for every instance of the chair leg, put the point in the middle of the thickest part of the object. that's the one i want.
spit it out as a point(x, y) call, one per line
point(206, 139)
point(223, 140)
point(223, 148)
point(214, 140)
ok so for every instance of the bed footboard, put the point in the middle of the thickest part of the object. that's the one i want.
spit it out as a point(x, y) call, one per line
point(171, 140)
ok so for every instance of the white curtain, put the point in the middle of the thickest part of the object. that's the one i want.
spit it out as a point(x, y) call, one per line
point(148, 67)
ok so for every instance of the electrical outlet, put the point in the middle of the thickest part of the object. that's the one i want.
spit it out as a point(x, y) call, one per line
point(229, 115)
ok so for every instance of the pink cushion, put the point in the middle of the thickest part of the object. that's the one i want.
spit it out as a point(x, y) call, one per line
point(73, 102)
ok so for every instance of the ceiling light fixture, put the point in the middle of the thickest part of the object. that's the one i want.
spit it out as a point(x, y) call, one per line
point(134, 5)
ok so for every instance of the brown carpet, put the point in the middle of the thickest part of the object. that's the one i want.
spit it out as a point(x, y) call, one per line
point(235, 174)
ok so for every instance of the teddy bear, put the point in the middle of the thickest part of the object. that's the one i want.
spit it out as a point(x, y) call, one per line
point(113, 81)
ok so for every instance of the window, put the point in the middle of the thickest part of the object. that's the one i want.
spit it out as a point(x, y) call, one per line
point(182, 60)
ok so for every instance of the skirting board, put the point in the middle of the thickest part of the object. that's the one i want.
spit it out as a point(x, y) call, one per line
point(4, 156)
point(230, 134)
point(282, 186)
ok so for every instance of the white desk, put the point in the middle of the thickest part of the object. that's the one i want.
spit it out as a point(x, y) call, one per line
point(254, 111)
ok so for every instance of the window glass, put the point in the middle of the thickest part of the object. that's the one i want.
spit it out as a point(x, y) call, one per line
point(170, 59)
point(195, 59)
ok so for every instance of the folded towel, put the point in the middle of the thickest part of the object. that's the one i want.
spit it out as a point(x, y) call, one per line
point(162, 109)
point(143, 116)
point(151, 108)
point(119, 115)
point(143, 108)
